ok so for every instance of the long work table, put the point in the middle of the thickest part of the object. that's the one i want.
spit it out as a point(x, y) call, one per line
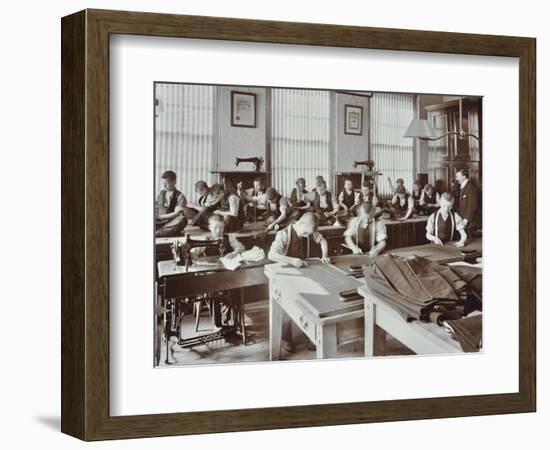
point(309, 297)
point(401, 233)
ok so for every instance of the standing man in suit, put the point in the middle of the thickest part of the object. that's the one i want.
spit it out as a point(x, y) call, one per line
point(467, 200)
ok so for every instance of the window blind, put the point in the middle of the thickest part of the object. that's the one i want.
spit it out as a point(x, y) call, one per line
point(184, 134)
point(393, 155)
point(300, 137)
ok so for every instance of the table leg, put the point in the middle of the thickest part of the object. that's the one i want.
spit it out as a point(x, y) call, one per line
point(167, 360)
point(158, 333)
point(375, 337)
point(327, 341)
point(243, 325)
point(379, 341)
point(275, 328)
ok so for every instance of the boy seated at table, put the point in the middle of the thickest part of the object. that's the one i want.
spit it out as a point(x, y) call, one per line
point(429, 199)
point(209, 201)
point(416, 193)
point(318, 179)
point(255, 201)
point(231, 208)
point(399, 182)
point(369, 192)
point(402, 204)
point(279, 209)
point(325, 208)
point(290, 247)
point(170, 218)
point(446, 225)
point(192, 209)
point(299, 198)
point(232, 246)
point(348, 200)
point(365, 235)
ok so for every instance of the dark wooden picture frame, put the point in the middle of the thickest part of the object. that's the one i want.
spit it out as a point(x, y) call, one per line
point(85, 230)
point(234, 120)
point(347, 130)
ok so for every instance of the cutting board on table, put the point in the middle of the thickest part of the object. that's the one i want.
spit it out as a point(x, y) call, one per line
point(317, 288)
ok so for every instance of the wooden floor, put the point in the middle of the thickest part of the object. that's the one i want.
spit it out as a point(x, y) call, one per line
point(257, 348)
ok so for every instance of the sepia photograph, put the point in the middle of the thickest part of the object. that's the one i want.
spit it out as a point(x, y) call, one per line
point(305, 224)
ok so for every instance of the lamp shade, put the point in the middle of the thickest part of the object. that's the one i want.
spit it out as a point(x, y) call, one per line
point(420, 128)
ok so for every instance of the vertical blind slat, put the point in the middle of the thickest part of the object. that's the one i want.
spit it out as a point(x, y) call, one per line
point(184, 134)
point(300, 143)
point(393, 154)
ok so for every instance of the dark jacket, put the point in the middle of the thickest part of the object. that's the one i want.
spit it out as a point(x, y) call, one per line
point(468, 202)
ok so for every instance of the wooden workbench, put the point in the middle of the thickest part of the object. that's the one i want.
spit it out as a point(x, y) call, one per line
point(309, 296)
point(420, 337)
point(382, 319)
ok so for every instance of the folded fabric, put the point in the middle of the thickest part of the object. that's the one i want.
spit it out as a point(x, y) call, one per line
point(415, 286)
point(255, 254)
point(467, 332)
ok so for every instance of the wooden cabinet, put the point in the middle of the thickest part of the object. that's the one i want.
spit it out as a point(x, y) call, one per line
point(452, 153)
point(246, 178)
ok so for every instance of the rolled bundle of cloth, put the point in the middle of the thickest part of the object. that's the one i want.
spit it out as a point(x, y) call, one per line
point(467, 331)
point(424, 290)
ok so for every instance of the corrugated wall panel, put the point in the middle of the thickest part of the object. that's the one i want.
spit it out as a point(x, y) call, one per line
point(300, 137)
point(393, 154)
point(184, 134)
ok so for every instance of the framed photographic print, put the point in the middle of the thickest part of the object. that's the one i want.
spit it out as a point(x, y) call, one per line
point(232, 229)
point(243, 109)
point(353, 120)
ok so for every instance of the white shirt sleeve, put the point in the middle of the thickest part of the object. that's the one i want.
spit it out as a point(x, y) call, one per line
point(235, 243)
point(381, 232)
point(430, 226)
point(234, 201)
point(351, 230)
point(317, 237)
point(459, 222)
point(283, 204)
point(278, 246)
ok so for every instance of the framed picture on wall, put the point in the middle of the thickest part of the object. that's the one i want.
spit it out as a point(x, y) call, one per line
point(243, 109)
point(353, 123)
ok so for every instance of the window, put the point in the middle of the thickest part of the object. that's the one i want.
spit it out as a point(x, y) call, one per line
point(300, 137)
point(392, 153)
point(184, 134)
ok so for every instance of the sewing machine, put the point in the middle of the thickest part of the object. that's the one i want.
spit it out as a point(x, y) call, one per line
point(181, 249)
point(258, 162)
point(370, 173)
